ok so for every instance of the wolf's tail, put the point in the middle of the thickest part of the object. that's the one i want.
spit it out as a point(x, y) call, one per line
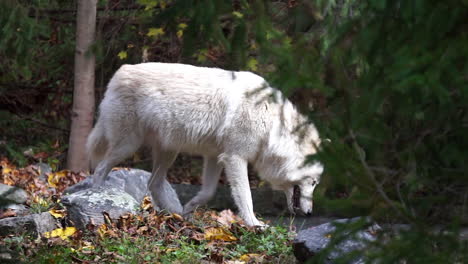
point(96, 145)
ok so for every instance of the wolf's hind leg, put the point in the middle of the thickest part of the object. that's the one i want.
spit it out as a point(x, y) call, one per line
point(164, 196)
point(211, 172)
point(119, 149)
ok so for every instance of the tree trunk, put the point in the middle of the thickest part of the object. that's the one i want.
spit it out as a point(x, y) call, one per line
point(83, 94)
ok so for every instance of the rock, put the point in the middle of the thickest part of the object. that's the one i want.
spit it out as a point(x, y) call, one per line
point(311, 241)
point(8, 256)
point(134, 182)
point(87, 205)
point(19, 209)
point(10, 194)
point(43, 169)
point(265, 200)
point(34, 224)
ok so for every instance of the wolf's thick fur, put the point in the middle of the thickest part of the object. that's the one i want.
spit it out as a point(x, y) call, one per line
point(231, 118)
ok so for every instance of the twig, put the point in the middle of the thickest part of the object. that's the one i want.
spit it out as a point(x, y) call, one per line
point(42, 123)
point(372, 177)
point(62, 11)
point(80, 260)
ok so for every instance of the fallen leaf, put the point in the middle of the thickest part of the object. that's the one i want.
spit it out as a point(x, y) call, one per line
point(63, 233)
point(7, 213)
point(257, 258)
point(58, 213)
point(226, 218)
point(105, 231)
point(54, 178)
point(142, 229)
point(86, 247)
point(219, 233)
point(7, 168)
point(41, 156)
point(146, 203)
point(177, 217)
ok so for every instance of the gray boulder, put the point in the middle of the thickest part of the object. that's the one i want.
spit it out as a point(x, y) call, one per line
point(10, 194)
point(311, 241)
point(19, 209)
point(44, 169)
point(34, 224)
point(87, 206)
point(131, 181)
point(265, 200)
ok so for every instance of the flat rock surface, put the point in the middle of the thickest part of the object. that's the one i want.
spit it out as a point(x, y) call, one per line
point(34, 224)
point(88, 205)
point(309, 242)
point(11, 194)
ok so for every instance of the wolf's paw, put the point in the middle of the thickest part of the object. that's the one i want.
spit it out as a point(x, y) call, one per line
point(261, 226)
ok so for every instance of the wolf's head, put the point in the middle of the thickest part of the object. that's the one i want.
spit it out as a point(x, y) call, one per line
point(289, 171)
point(291, 140)
point(299, 192)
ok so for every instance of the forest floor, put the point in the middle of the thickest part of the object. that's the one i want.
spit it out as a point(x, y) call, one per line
point(146, 237)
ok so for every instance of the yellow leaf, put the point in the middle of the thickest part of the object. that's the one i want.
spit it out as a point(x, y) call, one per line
point(149, 4)
point(105, 231)
point(248, 257)
point(219, 233)
point(182, 26)
point(162, 4)
point(146, 203)
point(201, 56)
point(252, 64)
point(63, 233)
point(177, 217)
point(39, 200)
point(122, 55)
point(57, 213)
point(6, 170)
point(168, 250)
point(155, 32)
point(87, 246)
point(54, 178)
point(102, 230)
point(237, 14)
point(180, 33)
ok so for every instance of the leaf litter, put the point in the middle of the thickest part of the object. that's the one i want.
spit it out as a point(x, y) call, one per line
point(217, 236)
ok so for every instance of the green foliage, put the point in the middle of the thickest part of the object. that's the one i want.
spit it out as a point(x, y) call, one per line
point(393, 75)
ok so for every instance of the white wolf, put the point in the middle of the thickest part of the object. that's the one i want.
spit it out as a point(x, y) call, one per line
point(231, 118)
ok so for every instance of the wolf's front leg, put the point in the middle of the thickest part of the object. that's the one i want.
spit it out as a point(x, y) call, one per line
point(162, 193)
point(236, 173)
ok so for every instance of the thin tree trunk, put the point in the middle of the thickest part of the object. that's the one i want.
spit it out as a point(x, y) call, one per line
point(83, 94)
